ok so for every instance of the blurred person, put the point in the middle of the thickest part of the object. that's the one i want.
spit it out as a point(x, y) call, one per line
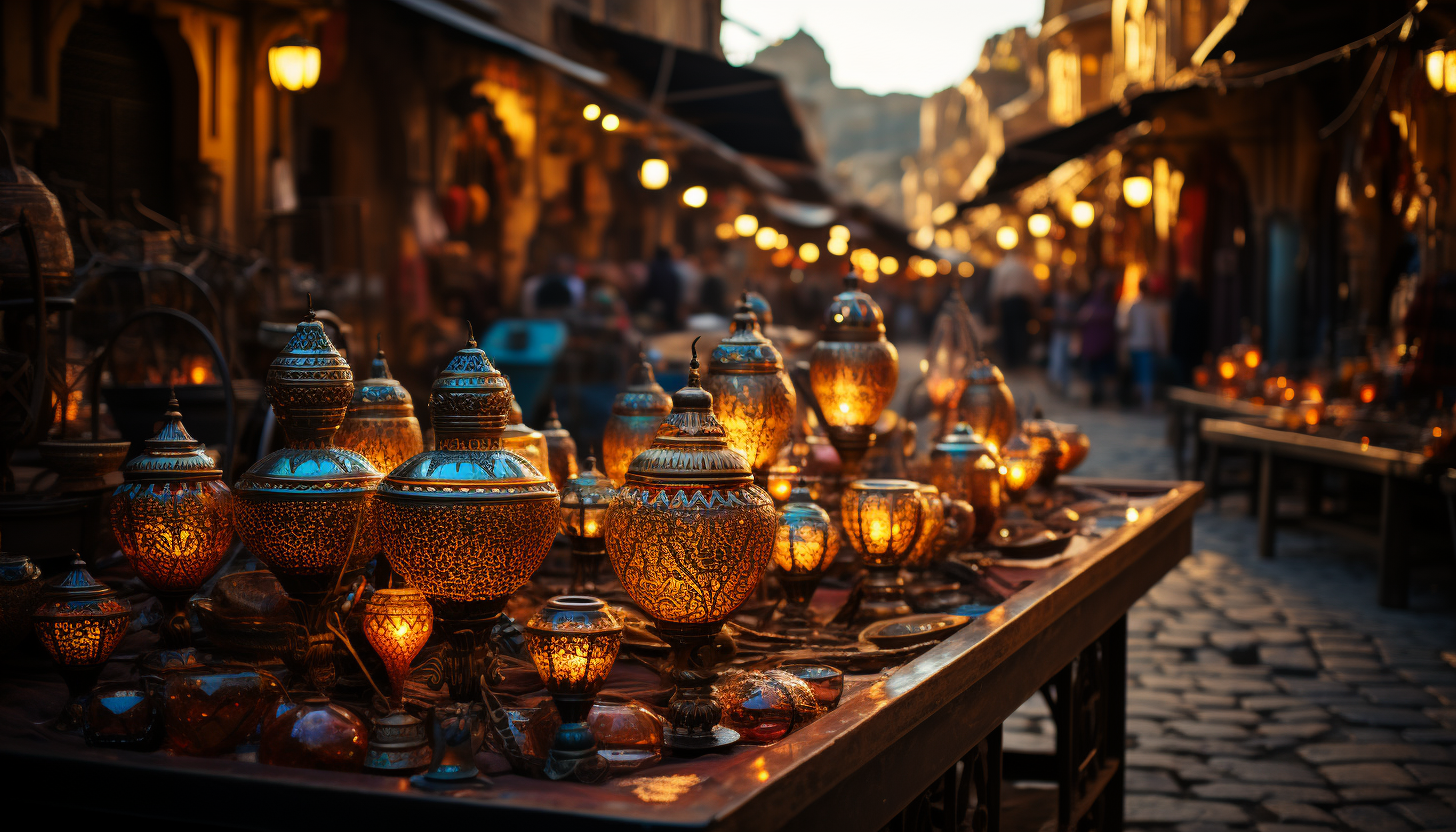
point(1189, 339)
point(1098, 320)
point(662, 294)
point(1014, 293)
point(1064, 324)
point(1146, 338)
point(560, 288)
point(713, 289)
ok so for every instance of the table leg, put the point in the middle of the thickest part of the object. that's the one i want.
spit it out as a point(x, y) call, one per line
point(1088, 699)
point(1394, 555)
point(1265, 497)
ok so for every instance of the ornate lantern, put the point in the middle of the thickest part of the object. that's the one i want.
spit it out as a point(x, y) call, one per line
point(560, 449)
point(689, 535)
point(173, 519)
point(584, 504)
point(381, 424)
point(80, 621)
point(964, 466)
point(752, 395)
point(932, 521)
point(529, 444)
point(1021, 464)
point(853, 372)
point(1075, 445)
point(882, 519)
point(573, 640)
point(468, 522)
point(949, 354)
point(20, 589)
point(636, 413)
point(987, 405)
point(758, 305)
point(397, 623)
point(1046, 440)
point(304, 510)
point(805, 543)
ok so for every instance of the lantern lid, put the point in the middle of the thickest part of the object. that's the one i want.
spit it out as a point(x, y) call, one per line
point(171, 455)
point(963, 440)
point(17, 569)
point(853, 315)
point(984, 372)
point(589, 488)
point(691, 444)
point(381, 391)
point(574, 614)
point(643, 396)
point(304, 470)
point(759, 304)
point(77, 587)
point(309, 384)
point(470, 399)
point(552, 429)
point(745, 350)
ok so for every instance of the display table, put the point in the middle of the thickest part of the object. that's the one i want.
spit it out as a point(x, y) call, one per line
point(1186, 408)
point(1398, 470)
point(892, 748)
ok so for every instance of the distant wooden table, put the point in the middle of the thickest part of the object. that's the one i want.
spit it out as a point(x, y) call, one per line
point(1186, 408)
point(1399, 472)
point(908, 748)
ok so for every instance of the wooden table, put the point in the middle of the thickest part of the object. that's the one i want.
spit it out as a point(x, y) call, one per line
point(905, 749)
point(1399, 471)
point(1187, 407)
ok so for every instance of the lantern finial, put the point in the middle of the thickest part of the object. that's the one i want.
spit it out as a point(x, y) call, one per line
point(310, 316)
point(693, 378)
point(470, 339)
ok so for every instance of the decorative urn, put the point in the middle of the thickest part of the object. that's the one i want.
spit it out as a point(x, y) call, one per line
point(80, 621)
point(853, 372)
point(987, 405)
point(689, 535)
point(752, 395)
point(560, 449)
point(469, 522)
point(584, 504)
point(964, 466)
point(805, 543)
point(882, 520)
point(636, 413)
point(20, 589)
point(381, 425)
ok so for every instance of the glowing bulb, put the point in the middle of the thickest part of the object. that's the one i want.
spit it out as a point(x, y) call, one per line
point(766, 238)
point(1367, 393)
point(610, 122)
point(1007, 238)
point(1132, 514)
point(591, 112)
point(745, 225)
point(1251, 359)
point(924, 366)
point(839, 232)
point(1083, 213)
point(1436, 68)
point(591, 528)
point(1137, 190)
point(1039, 225)
point(695, 197)
point(782, 241)
point(654, 174)
point(293, 64)
point(1226, 369)
point(808, 252)
point(837, 246)
point(725, 231)
point(927, 268)
point(889, 265)
point(199, 374)
point(965, 269)
point(843, 406)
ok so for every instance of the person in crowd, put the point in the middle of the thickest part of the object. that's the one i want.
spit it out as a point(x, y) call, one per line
point(1014, 292)
point(1098, 320)
point(554, 292)
point(1064, 324)
point(1147, 339)
point(1189, 339)
point(662, 294)
point(713, 290)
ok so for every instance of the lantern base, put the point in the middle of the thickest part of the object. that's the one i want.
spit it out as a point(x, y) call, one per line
point(469, 656)
point(693, 713)
point(80, 679)
point(175, 628)
point(587, 555)
point(398, 745)
point(851, 443)
point(798, 591)
point(884, 595)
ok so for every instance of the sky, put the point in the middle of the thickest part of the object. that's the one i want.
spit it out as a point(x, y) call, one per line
point(881, 46)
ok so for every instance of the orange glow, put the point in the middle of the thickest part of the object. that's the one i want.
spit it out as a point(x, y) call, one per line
point(1282, 382)
point(1289, 394)
point(1367, 393)
point(1252, 359)
point(1311, 417)
point(1226, 369)
point(1364, 443)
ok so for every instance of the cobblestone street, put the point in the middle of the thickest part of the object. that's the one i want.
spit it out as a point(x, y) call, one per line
point(1272, 695)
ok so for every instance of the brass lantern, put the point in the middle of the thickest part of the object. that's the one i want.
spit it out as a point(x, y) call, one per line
point(949, 354)
point(560, 449)
point(305, 510)
point(173, 519)
point(381, 424)
point(853, 372)
point(20, 589)
point(584, 504)
point(987, 405)
point(932, 521)
point(1075, 446)
point(965, 467)
point(689, 535)
point(636, 413)
point(529, 444)
point(882, 520)
point(805, 543)
point(758, 304)
point(752, 395)
point(80, 622)
point(573, 641)
point(467, 523)
point(1021, 464)
point(397, 623)
point(1046, 440)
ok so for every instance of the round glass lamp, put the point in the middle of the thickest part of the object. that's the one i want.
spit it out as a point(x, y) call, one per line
point(1021, 464)
point(573, 641)
point(80, 621)
point(381, 425)
point(584, 503)
point(965, 467)
point(560, 449)
point(469, 522)
point(752, 395)
point(173, 520)
point(805, 543)
point(689, 535)
point(987, 405)
point(397, 623)
point(636, 413)
point(853, 372)
point(882, 520)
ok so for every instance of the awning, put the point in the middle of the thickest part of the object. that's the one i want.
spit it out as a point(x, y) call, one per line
point(471, 25)
point(749, 110)
point(1291, 30)
point(1038, 156)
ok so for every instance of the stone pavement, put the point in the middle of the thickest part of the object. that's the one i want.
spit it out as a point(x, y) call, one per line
point(1272, 695)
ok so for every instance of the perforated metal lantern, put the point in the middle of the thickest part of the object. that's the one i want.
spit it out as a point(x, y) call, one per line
point(80, 622)
point(1046, 440)
point(381, 425)
point(173, 518)
point(853, 371)
point(1021, 464)
point(636, 413)
point(805, 543)
point(584, 504)
point(753, 397)
point(689, 535)
point(397, 623)
point(882, 521)
point(468, 522)
point(964, 466)
point(560, 449)
point(573, 640)
point(932, 520)
point(987, 405)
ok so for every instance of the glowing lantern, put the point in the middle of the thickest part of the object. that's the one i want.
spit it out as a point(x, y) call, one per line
point(853, 371)
point(1083, 213)
point(745, 225)
point(1137, 191)
point(591, 112)
point(809, 253)
point(610, 122)
point(1039, 225)
point(293, 64)
point(695, 197)
point(654, 174)
point(766, 238)
point(1007, 238)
